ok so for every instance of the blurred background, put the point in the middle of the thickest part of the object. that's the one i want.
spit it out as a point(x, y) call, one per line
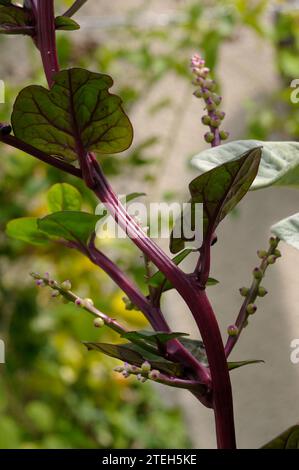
point(55, 394)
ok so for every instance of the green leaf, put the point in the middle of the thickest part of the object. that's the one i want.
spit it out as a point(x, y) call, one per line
point(66, 23)
point(196, 348)
point(64, 197)
point(69, 225)
point(135, 355)
point(237, 364)
point(287, 440)
point(11, 16)
point(26, 229)
point(279, 164)
point(288, 230)
point(78, 112)
point(220, 190)
point(154, 337)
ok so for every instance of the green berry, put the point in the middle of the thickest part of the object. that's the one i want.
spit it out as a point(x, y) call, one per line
point(215, 122)
point(262, 291)
point(257, 273)
point(206, 94)
point(271, 259)
point(277, 253)
point(211, 107)
point(145, 367)
point(262, 253)
point(66, 285)
point(206, 120)
point(198, 93)
point(88, 302)
point(98, 323)
point(244, 291)
point(233, 330)
point(223, 135)
point(209, 137)
point(251, 309)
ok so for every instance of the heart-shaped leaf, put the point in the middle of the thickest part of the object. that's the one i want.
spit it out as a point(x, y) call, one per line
point(220, 190)
point(287, 440)
point(135, 355)
point(279, 164)
point(288, 230)
point(65, 23)
point(69, 225)
point(77, 115)
point(64, 197)
point(26, 229)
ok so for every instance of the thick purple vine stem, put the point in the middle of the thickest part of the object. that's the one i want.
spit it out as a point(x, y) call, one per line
point(46, 38)
point(188, 288)
point(195, 298)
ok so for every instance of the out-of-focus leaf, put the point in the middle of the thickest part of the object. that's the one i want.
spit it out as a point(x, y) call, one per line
point(12, 16)
point(288, 230)
point(279, 164)
point(64, 197)
point(65, 23)
point(287, 440)
point(154, 337)
point(135, 355)
point(220, 190)
point(26, 229)
point(78, 112)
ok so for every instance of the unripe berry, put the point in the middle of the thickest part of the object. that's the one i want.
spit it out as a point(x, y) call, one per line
point(244, 291)
point(217, 99)
point(220, 114)
point(224, 135)
point(210, 84)
point(262, 253)
point(257, 273)
point(277, 253)
point(206, 120)
point(56, 293)
point(209, 137)
point(273, 242)
point(233, 330)
point(271, 259)
point(88, 303)
point(154, 374)
point(145, 367)
point(251, 309)
point(198, 93)
point(98, 323)
point(211, 106)
point(206, 93)
point(215, 122)
point(66, 285)
point(262, 291)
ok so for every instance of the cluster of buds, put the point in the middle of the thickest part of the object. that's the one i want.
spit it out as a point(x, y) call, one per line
point(256, 290)
point(206, 91)
point(142, 373)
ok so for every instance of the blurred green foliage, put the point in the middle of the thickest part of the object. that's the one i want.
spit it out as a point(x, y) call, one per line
point(52, 392)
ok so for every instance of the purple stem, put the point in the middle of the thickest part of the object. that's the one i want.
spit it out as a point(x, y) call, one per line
point(196, 300)
point(45, 37)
